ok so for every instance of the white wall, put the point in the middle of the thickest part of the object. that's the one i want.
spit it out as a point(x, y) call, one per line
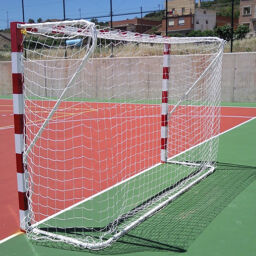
point(238, 77)
point(202, 16)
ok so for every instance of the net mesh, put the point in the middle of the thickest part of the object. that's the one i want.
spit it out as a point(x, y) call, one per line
point(93, 127)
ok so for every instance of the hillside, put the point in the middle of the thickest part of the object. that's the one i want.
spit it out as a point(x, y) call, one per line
point(222, 7)
point(5, 45)
point(159, 15)
point(5, 41)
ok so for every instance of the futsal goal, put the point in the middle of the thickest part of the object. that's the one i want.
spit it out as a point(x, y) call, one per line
point(110, 126)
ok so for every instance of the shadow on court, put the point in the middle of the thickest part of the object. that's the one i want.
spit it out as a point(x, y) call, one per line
point(175, 227)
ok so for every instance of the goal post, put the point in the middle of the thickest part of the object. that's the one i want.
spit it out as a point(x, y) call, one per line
point(18, 113)
point(164, 107)
point(110, 126)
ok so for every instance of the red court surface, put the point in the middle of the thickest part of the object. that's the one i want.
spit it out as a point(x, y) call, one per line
point(230, 117)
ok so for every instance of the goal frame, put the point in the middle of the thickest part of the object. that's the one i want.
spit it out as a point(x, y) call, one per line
point(19, 120)
point(19, 127)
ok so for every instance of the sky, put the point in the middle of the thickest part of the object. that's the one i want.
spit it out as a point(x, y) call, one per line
point(11, 10)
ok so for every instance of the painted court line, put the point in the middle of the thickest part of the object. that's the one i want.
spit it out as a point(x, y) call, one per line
point(132, 177)
point(10, 237)
point(117, 184)
point(238, 107)
point(91, 110)
point(60, 115)
point(132, 103)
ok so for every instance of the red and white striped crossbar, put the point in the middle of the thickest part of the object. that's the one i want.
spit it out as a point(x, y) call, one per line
point(164, 112)
point(18, 111)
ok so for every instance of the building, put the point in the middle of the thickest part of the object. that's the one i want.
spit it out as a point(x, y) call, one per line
point(248, 15)
point(180, 17)
point(181, 7)
point(184, 17)
point(178, 24)
point(204, 19)
point(222, 21)
point(136, 25)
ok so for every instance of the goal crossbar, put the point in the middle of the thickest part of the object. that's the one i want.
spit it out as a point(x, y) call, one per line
point(64, 28)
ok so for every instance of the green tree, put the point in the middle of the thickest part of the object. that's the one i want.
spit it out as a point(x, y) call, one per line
point(39, 20)
point(241, 32)
point(195, 33)
point(224, 32)
point(103, 24)
point(94, 20)
point(158, 15)
point(31, 21)
point(208, 33)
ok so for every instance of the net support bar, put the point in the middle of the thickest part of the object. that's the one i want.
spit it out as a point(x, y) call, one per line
point(18, 111)
point(145, 216)
point(164, 112)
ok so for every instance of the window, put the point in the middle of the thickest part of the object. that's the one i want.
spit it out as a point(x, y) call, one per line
point(247, 11)
point(182, 10)
point(171, 22)
point(181, 21)
point(204, 12)
point(206, 22)
point(197, 22)
point(172, 12)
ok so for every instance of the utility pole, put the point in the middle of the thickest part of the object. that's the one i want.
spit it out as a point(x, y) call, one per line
point(23, 14)
point(7, 20)
point(64, 10)
point(111, 26)
point(111, 15)
point(141, 26)
point(79, 10)
point(166, 19)
point(232, 25)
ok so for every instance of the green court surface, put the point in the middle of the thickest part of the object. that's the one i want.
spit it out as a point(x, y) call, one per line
point(215, 217)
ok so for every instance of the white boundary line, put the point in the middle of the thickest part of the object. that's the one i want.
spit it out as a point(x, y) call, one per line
point(129, 103)
point(132, 177)
point(10, 237)
point(130, 226)
point(89, 198)
point(232, 128)
point(238, 107)
point(129, 117)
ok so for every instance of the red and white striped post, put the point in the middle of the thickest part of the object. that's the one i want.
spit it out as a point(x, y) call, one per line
point(164, 112)
point(18, 111)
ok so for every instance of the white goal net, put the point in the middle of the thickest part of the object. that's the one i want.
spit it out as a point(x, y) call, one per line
point(117, 125)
